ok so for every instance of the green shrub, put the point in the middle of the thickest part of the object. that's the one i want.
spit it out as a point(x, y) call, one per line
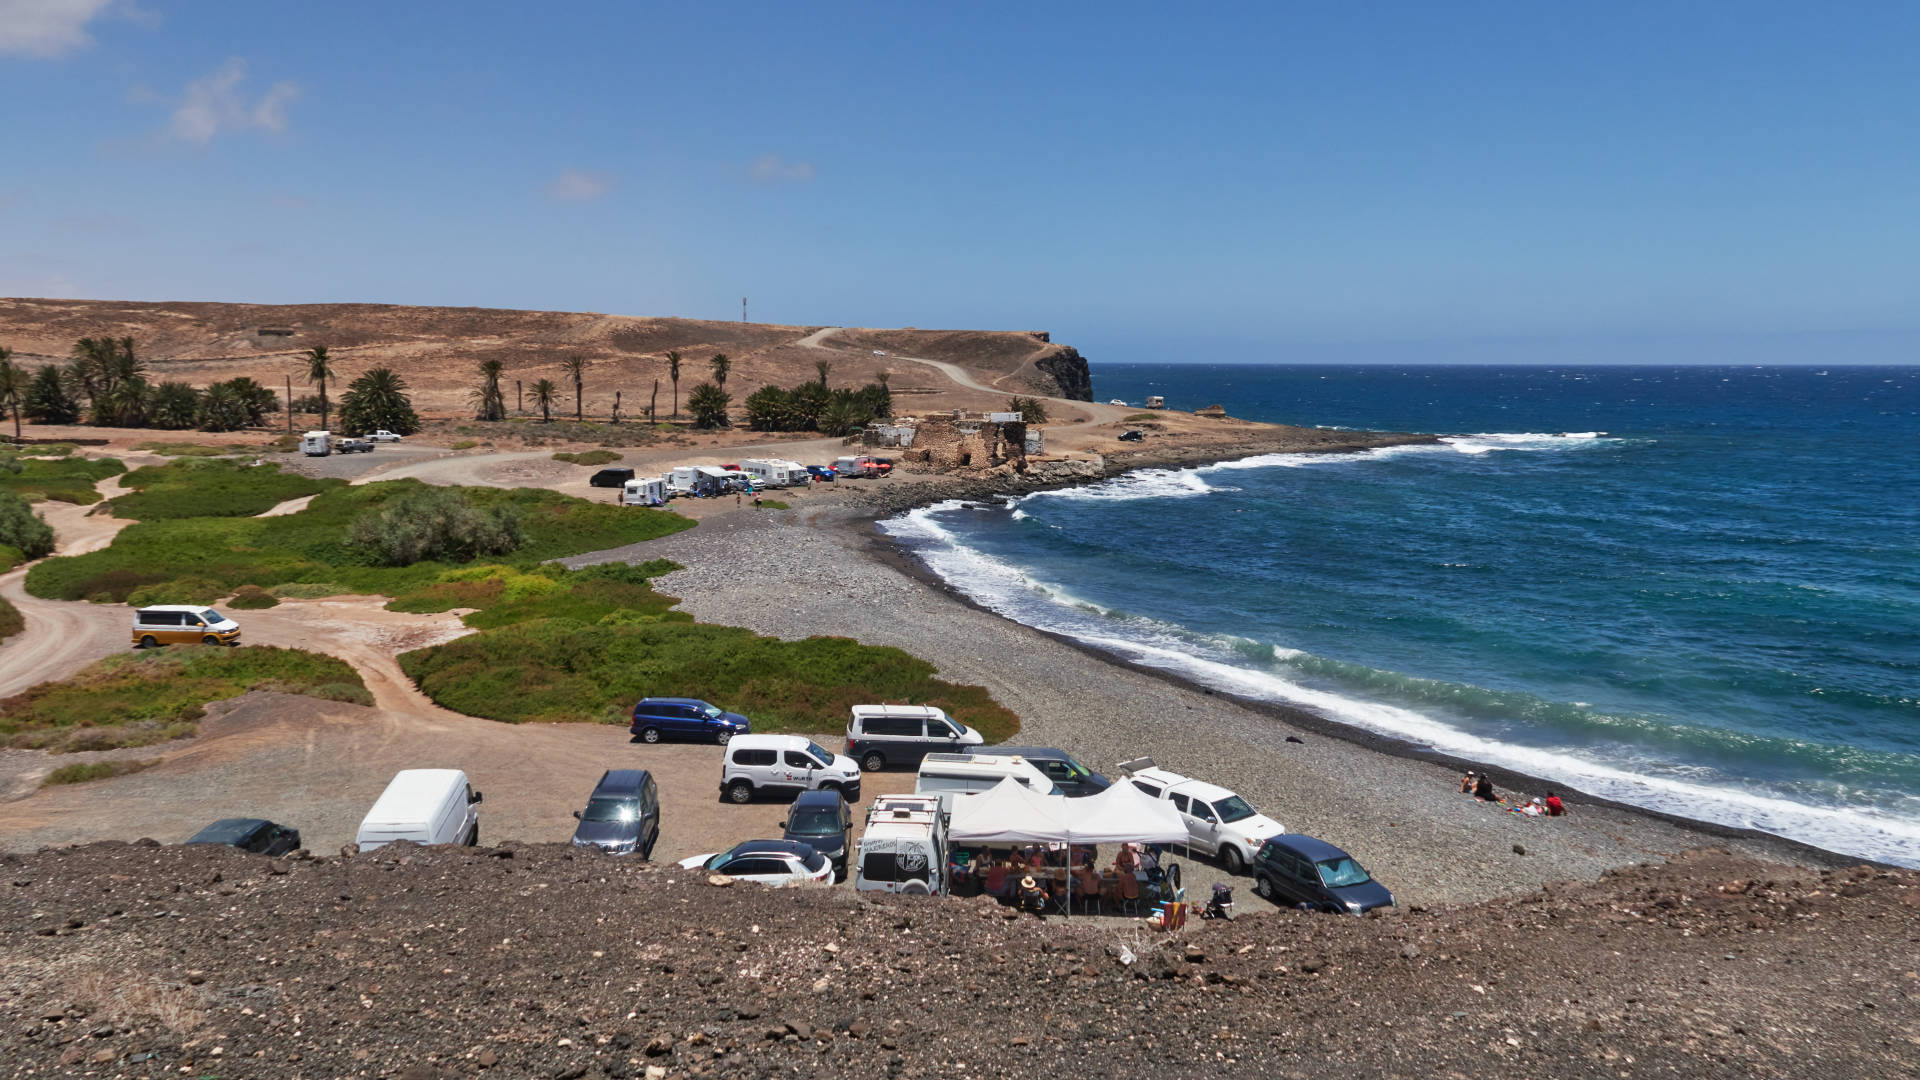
point(770, 504)
point(21, 530)
point(140, 698)
point(11, 621)
point(307, 590)
point(435, 524)
point(463, 444)
point(68, 479)
point(57, 449)
point(589, 457)
point(601, 638)
point(284, 444)
point(1142, 416)
point(203, 488)
point(10, 557)
point(310, 547)
point(252, 598)
point(187, 590)
point(96, 770)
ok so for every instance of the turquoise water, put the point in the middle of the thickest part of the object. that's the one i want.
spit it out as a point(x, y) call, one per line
point(1692, 589)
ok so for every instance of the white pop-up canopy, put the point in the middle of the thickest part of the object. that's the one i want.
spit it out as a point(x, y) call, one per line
point(1010, 813)
point(1124, 812)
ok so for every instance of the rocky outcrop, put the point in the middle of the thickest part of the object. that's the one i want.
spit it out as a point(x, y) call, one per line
point(1067, 370)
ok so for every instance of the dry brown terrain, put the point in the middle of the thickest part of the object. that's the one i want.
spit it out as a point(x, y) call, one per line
point(131, 960)
point(437, 349)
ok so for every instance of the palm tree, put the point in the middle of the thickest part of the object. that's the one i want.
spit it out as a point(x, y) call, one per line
point(377, 401)
point(822, 367)
point(486, 397)
point(576, 368)
point(673, 372)
point(708, 404)
point(177, 406)
point(882, 378)
point(543, 394)
point(122, 382)
point(319, 370)
point(223, 408)
point(13, 387)
point(721, 365)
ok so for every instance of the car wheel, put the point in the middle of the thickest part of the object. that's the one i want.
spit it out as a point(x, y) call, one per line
point(740, 791)
point(474, 840)
point(723, 735)
point(651, 735)
point(1260, 887)
point(915, 888)
point(148, 642)
point(1235, 864)
point(209, 640)
point(873, 762)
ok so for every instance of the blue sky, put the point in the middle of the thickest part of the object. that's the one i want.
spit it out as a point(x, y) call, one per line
point(1289, 182)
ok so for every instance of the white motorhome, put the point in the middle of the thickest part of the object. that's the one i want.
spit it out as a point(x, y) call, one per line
point(948, 775)
point(776, 472)
point(644, 491)
point(904, 847)
point(851, 466)
point(426, 806)
point(680, 480)
point(316, 444)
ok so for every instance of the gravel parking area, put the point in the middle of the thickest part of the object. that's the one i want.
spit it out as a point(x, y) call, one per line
point(355, 466)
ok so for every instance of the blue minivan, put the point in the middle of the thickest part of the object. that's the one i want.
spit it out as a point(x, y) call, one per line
point(656, 718)
point(1299, 871)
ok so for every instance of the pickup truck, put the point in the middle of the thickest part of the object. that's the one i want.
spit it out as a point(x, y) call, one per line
point(353, 446)
point(383, 435)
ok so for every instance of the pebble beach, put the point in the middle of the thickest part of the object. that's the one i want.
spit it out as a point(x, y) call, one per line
point(822, 569)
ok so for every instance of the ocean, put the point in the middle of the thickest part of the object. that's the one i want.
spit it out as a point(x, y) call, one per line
point(1692, 589)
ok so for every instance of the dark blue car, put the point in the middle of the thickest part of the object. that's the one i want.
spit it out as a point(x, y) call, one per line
point(824, 473)
point(656, 718)
point(1293, 870)
point(821, 820)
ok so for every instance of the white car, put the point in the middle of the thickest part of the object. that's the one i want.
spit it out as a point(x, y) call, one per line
point(776, 863)
point(1218, 821)
point(383, 435)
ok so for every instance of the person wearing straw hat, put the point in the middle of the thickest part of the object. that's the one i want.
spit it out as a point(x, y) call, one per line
point(1032, 896)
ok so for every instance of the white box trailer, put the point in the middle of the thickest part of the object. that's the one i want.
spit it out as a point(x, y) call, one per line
point(645, 491)
point(904, 847)
point(776, 472)
point(316, 444)
point(680, 480)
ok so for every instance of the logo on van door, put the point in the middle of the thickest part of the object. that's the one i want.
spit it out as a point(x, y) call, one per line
point(913, 862)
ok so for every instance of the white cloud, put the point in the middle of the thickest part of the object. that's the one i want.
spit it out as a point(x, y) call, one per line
point(774, 169)
point(47, 28)
point(215, 105)
point(575, 185)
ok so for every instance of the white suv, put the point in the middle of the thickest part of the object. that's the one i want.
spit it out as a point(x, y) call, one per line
point(789, 763)
point(1218, 821)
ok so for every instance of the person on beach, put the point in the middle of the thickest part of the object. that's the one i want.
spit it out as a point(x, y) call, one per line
point(995, 879)
point(1483, 789)
point(1554, 806)
point(1148, 859)
point(1032, 897)
point(1466, 784)
point(1124, 862)
point(1086, 880)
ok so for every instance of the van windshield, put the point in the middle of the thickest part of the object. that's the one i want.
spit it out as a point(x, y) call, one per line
point(212, 616)
point(1342, 872)
point(825, 758)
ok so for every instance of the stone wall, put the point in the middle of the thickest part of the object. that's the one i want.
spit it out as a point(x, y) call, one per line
point(950, 444)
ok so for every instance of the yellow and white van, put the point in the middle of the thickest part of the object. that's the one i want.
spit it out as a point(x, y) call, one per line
point(175, 624)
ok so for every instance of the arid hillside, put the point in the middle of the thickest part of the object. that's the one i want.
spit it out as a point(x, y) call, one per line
point(436, 349)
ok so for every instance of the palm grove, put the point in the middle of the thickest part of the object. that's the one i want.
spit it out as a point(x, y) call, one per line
point(107, 384)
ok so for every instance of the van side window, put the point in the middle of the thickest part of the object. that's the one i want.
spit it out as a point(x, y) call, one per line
point(893, 725)
point(797, 760)
point(753, 757)
point(1179, 802)
point(1202, 811)
point(160, 618)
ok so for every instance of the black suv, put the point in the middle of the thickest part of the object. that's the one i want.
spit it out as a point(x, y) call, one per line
point(1294, 870)
point(258, 835)
point(821, 820)
point(1072, 778)
point(622, 815)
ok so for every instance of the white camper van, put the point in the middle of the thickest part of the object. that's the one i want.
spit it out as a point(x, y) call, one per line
point(680, 480)
point(904, 847)
point(947, 775)
point(426, 806)
point(316, 444)
point(850, 466)
point(645, 491)
point(776, 472)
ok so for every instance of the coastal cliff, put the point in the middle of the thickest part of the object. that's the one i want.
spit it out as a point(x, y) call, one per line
point(1062, 372)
